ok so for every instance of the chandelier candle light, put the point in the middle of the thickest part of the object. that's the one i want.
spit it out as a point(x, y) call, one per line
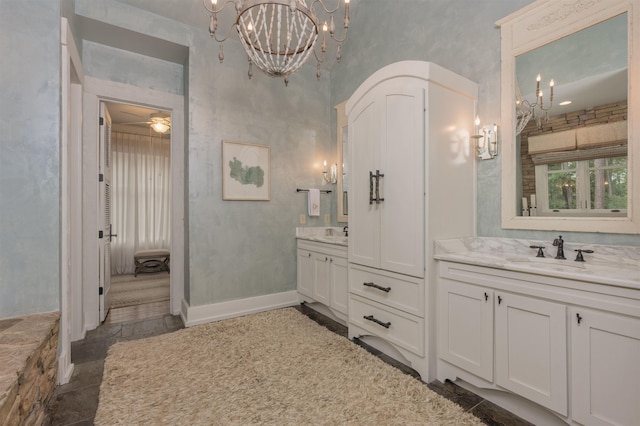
point(525, 110)
point(280, 35)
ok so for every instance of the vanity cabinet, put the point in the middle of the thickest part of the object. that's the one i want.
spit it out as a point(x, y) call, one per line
point(531, 349)
point(524, 337)
point(605, 361)
point(322, 274)
point(465, 332)
point(571, 347)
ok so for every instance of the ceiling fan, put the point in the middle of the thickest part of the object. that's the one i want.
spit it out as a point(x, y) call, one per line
point(158, 121)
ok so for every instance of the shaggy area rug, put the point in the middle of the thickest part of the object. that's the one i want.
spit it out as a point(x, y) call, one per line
point(277, 368)
point(129, 290)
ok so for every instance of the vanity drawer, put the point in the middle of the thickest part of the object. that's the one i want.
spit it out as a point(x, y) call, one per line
point(400, 328)
point(395, 290)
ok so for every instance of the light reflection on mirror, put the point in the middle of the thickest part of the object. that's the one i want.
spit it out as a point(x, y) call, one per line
point(342, 138)
point(589, 73)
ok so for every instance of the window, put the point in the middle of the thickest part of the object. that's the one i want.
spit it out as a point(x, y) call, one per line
point(597, 186)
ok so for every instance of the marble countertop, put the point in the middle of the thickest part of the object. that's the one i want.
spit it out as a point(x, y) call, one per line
point(323, 234)
point(609, 265)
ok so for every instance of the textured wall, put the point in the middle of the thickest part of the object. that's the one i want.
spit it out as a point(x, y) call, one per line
point(29, 164)
point(247, 248)
point(459, 35)
point(236, 249)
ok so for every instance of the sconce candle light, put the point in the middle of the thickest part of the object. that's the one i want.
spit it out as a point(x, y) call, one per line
point(331, 177)
point(486, 140)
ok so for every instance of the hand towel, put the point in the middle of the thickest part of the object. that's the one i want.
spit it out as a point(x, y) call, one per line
point(313, 201)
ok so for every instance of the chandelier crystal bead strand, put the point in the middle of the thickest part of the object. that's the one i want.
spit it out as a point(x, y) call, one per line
point(280, 35)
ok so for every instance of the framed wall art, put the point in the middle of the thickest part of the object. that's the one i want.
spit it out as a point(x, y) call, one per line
point(246, 171)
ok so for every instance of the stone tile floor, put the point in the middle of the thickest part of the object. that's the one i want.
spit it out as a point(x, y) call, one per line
point(76, 402)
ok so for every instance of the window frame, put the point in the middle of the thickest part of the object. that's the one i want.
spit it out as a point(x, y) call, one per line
point(583, 193)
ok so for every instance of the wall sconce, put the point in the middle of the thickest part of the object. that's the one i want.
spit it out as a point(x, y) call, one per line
point(332, 176)
point(486, 140)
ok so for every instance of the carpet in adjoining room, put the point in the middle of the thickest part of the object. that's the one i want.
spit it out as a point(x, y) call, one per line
point(127, 290)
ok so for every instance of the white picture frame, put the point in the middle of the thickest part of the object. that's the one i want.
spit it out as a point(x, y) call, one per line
point(246, 174)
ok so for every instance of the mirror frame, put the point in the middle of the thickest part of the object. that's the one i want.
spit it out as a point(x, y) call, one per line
point(341, 124)
point(538, 24)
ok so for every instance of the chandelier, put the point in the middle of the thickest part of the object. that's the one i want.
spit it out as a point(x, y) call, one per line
point(280, 35)
point(526, 110)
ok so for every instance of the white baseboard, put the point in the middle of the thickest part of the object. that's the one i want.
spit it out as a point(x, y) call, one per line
point(65, 368)
point(194, 315)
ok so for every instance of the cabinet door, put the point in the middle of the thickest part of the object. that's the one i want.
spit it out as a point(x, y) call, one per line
point(321, 285)
point(386, 136)
point(364, 223)
point(339, 284)
point(605, 368)
point(531, 349)
point(305, 273)
point(466, 327)
point(402, 130)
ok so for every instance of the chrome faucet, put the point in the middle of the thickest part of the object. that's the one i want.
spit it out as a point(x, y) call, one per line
point(559, 242)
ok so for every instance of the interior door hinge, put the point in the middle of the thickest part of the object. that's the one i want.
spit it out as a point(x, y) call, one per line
point(100, 234)
point(102, 121)
point(100, 177)
point(100, 291)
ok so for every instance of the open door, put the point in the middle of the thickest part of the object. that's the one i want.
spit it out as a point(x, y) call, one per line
point(104, 233)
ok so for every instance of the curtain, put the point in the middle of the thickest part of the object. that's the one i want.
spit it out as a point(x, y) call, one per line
point(141, 197)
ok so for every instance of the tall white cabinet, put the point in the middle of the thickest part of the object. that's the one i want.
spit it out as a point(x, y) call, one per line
point(412, 182)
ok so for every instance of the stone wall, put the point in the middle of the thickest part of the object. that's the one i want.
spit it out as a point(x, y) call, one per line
point(28, 367)
point(558, 123)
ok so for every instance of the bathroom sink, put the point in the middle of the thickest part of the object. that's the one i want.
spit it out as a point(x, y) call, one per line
point(332, 239)
point(613, 272)
point(547, 262)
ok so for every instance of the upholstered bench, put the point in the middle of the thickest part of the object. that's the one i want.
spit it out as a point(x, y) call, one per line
point(149, 261)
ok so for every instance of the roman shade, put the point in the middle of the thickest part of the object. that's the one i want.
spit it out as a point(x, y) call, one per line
point(584, 143)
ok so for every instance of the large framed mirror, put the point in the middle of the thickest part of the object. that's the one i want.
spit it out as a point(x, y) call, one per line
point(570, 100)
point(342, 186)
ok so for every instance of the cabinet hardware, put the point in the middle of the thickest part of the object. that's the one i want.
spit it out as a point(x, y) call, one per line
point(331, 260)
point(376, 286)
point(579, 318)
point(486, 296)
point(377, 321)
point(378, 176)
point(326, 258)
point(499, 300)
point(370, 187)
point(308, 254)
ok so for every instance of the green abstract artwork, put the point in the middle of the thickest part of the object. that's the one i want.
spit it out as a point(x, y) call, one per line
point(245, 171)
point(246, 175)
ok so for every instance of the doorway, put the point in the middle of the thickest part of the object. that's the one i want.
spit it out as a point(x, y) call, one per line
point(96, 92)
point(137, 172)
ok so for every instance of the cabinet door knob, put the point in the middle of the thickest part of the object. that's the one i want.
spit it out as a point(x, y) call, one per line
point(579, 318)
point(486, 296)
point(499, 300)
point(308, 254)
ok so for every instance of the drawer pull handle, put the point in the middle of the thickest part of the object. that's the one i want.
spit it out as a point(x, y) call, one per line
point(376, 286)
point(377, 321)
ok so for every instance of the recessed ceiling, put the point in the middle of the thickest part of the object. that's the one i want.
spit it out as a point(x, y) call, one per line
point(131, 115)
